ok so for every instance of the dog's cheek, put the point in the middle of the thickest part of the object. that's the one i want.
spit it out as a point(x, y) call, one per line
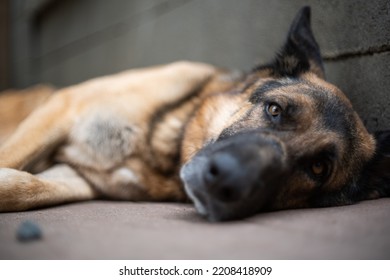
point(295, 193)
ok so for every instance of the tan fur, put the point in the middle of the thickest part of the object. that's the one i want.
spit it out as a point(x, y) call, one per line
point(100, 129)
point(16, 105)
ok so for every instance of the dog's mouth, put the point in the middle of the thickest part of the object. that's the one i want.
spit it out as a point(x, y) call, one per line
point(235, 177)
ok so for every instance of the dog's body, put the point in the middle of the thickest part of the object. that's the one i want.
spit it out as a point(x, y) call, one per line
point(121, 133)
point(278, 137)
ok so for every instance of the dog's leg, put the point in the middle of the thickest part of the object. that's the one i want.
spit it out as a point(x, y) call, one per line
point(20, 190)
point(38, 135)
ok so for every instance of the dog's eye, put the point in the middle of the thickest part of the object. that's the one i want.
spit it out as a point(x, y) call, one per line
point(320, 168)
point(274, 110)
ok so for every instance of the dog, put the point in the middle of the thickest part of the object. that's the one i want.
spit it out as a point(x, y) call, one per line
point(278, 137)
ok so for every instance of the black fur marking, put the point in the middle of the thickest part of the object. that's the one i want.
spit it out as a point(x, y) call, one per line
point(257, 95)
point(333, 111)
point(299, 52)
point(267, 86)
point(153, 157)
point(321, 198)
point(376, 173)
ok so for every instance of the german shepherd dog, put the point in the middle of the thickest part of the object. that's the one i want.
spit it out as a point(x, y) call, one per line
point(277, 137)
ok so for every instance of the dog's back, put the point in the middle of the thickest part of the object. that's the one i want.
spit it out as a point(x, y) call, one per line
point(16, 105)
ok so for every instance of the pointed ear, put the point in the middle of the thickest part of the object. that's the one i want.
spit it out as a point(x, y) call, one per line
point(375, 178)
point(300, 52)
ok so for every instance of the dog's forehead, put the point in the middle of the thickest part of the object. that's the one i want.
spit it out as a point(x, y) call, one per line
point(319, 90)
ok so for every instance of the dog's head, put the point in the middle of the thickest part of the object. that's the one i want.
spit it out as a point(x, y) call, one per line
point(284, 138)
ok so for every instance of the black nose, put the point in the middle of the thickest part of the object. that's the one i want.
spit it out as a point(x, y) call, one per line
point(224, 177)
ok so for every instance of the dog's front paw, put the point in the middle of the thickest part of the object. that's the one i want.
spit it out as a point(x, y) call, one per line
point(17, 189)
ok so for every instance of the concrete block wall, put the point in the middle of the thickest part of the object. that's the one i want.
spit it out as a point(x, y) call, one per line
point(63, 42)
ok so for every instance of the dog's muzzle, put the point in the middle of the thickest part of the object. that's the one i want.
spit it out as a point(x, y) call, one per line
point(235, 177)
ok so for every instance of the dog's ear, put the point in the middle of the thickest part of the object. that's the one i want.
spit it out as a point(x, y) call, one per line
point(375, 178)
point(300, 53)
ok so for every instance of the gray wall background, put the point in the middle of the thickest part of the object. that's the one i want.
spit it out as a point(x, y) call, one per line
point(63, 42)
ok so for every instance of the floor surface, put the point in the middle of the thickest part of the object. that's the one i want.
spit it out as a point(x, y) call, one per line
point(125, 230)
